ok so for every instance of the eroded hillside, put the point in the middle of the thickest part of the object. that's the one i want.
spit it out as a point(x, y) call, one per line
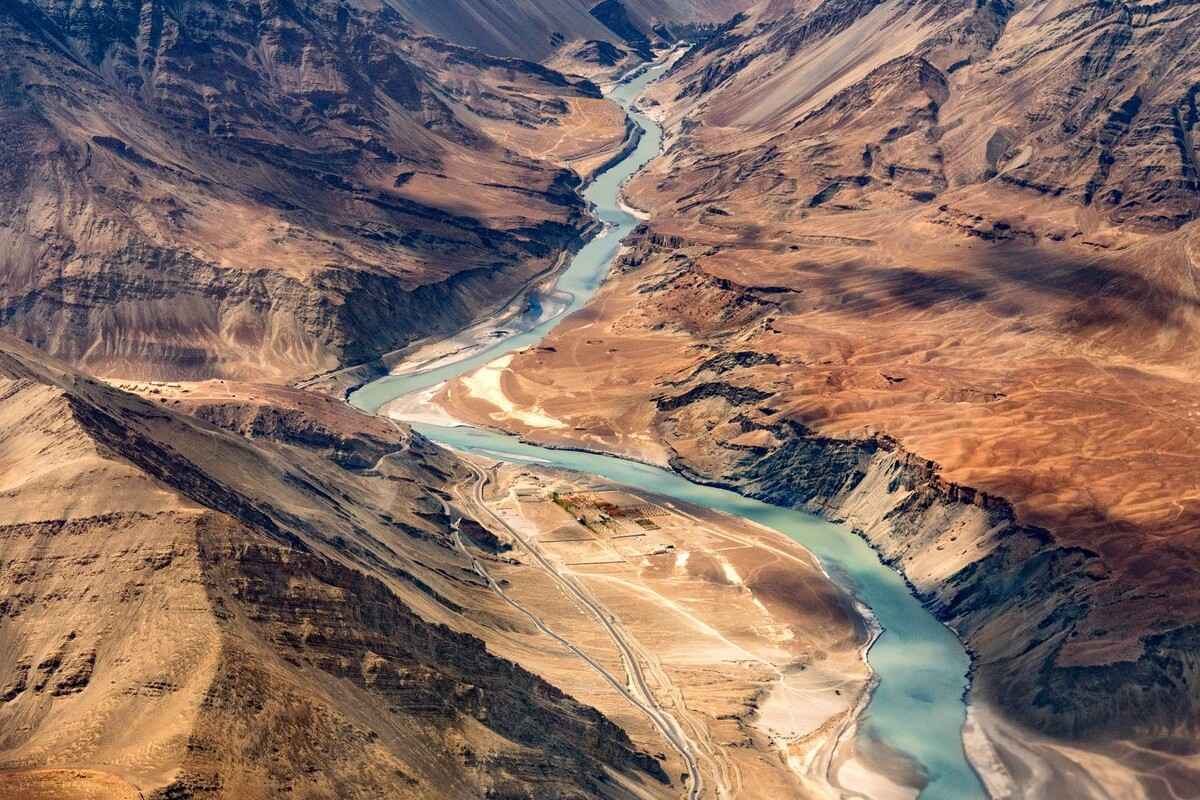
point(199, 189)
point(187, 612)
point(541, 29)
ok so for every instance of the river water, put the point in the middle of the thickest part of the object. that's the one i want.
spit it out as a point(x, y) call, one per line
point(917, 707)
point(580, 279)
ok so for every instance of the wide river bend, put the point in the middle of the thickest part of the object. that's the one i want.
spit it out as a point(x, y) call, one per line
point(917, 707)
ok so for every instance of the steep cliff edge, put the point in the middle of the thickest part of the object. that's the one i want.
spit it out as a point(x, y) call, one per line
point(1027, 603)
point(188, 613)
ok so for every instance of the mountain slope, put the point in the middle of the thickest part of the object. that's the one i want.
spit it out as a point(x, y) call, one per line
point(535, 29)
point(184, 612)
point(249, 189)
point(1086, 103)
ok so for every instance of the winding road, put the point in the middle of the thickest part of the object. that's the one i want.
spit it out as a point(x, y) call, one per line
point(641, 695)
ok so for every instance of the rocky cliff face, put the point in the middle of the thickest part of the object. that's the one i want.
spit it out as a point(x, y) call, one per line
point(1020, 597)
point(187, 613)
point(196, 189)
point(1088, 103)
point(538, 29)
point(968, 217)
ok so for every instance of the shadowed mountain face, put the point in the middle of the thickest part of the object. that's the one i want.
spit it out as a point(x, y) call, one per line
point(204, 188)
point(535, 29)
point(188, 613)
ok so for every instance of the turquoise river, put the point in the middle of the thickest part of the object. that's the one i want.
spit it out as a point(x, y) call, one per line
point(917, 707)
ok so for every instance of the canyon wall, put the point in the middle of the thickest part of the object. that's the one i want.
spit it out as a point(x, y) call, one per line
point(201, 189)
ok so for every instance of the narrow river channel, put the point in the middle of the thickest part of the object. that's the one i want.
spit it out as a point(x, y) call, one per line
point(917, 707)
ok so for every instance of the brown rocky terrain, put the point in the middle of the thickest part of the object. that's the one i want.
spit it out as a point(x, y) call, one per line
point(185, 612)
point(200, 189)
point(931, 269)
point(279, 413)
point(543, 29)
point(889, 102)
point(745, 641)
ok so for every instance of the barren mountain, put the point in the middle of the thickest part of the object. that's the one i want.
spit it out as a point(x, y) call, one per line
point(536, 29)
point(1090, 104)
point(185, 612)
point(217, 189)
point(926, 267)
point(932, 268)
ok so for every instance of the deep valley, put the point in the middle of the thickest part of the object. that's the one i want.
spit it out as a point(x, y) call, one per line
point(851, 345)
